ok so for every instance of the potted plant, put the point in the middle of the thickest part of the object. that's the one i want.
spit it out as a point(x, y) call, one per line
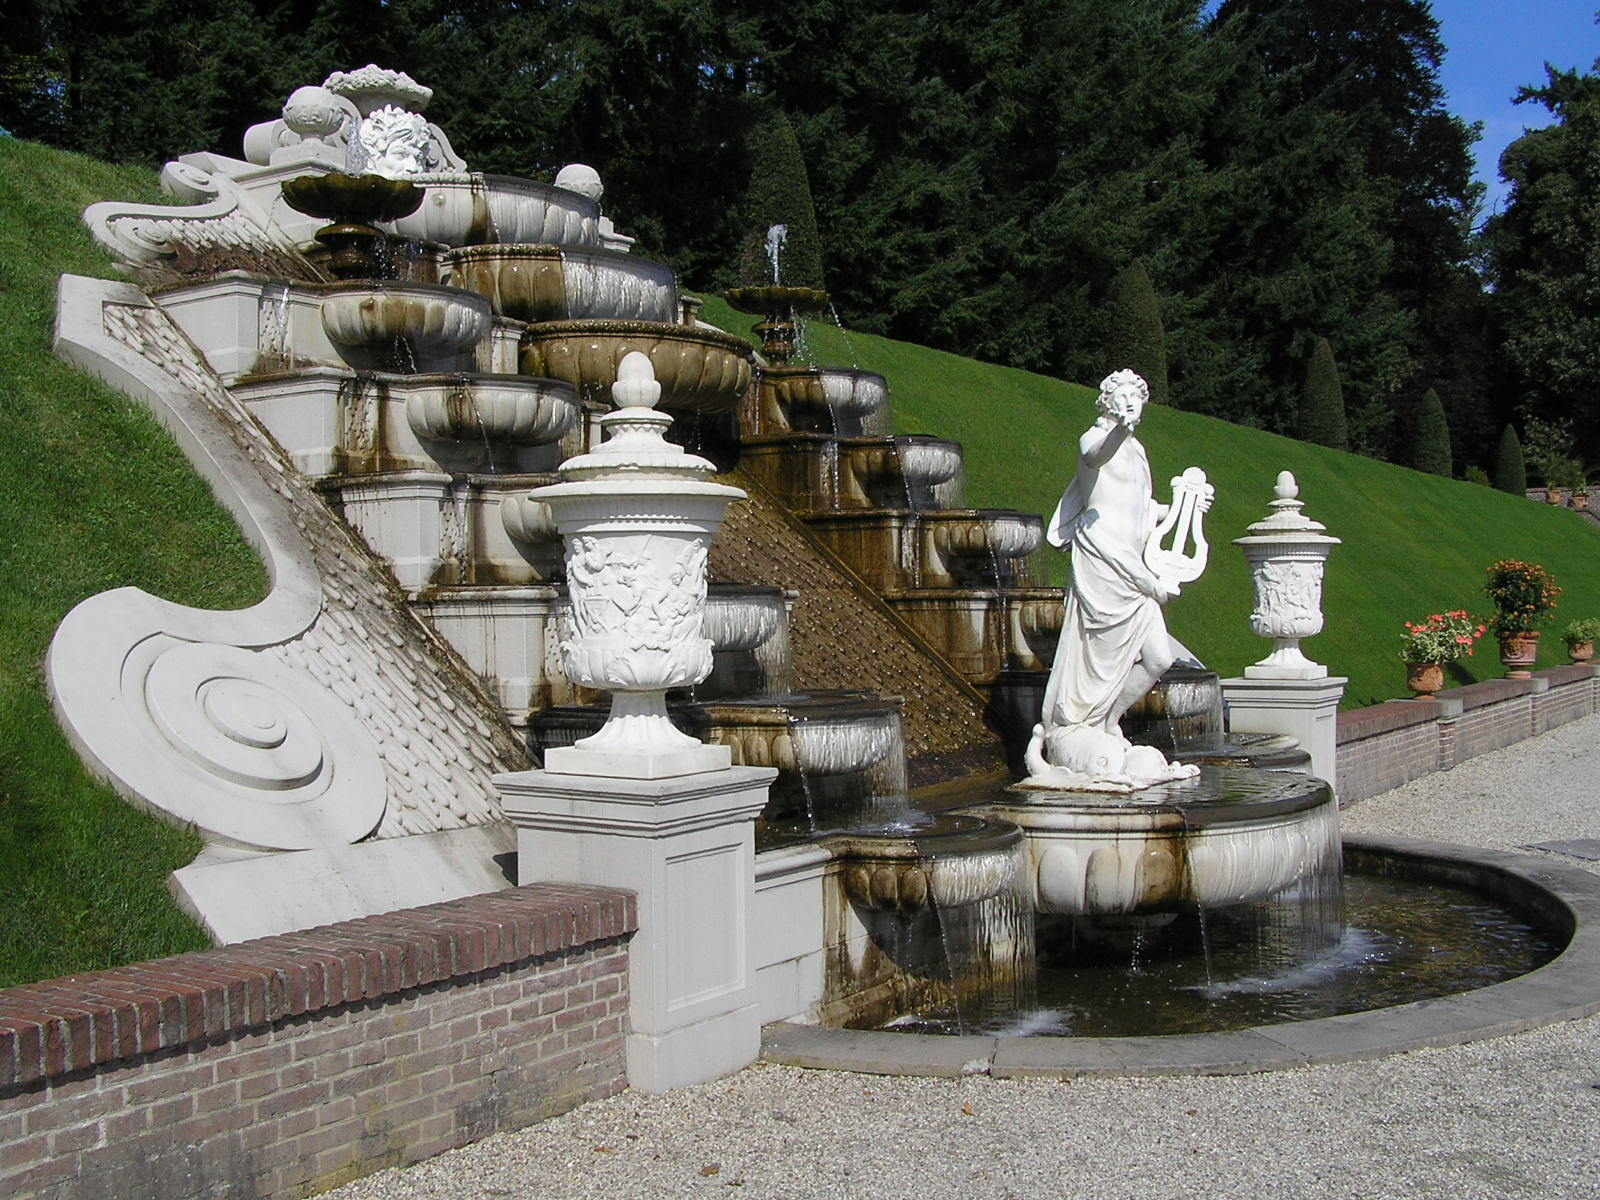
point(1560, 473)
point(1580, 637)
point(1428, 645)
point(1524, 596)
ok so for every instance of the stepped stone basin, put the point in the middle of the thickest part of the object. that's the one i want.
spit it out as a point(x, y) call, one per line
point(909, 471)
point(472, 209)
point(926, 462)
point(529, 521)
point(1013, 534)
point(475, 409)
point(337, 196)
point(1183, 710)
point(407, 328)
point(821, 399)
point(556, 283)
point(749, 630)
point(943, 860)
point(820, 734)
point(699, 370)
point(1000, 533)
point(742, 618)
point(1231, 835)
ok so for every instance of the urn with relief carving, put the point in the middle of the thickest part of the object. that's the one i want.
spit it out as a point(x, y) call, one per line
point(637, 514)
point(1286, 553)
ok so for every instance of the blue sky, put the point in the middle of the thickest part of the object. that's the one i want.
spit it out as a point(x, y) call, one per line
point(1496, 46)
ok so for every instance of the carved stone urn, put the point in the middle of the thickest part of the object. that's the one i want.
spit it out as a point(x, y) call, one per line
point(638, 515)
point(1286, 553)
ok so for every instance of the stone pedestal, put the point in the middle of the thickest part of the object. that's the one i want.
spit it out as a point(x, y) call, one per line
point(686, 847)
point(1304, 709)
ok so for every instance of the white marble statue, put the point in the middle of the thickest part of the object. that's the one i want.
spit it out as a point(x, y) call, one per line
point(1114, 643)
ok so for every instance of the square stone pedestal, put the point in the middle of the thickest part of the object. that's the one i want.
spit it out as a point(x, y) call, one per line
point(1304, 709)
point(686, 847)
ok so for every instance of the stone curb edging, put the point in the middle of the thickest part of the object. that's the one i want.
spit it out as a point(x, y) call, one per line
point(58, 1026)
point(1566, 988)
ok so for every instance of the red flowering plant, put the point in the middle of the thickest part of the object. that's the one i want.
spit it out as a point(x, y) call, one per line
point(1524, 595)
point(1442, 638)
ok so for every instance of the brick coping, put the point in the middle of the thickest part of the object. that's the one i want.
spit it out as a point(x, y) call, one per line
point(1391, 715)
point(58, 1026)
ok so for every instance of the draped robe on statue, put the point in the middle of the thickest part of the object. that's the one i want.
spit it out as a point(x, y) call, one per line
point(1106, 514)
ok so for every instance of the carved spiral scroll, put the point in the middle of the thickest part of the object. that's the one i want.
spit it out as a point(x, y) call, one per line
point(285, 763)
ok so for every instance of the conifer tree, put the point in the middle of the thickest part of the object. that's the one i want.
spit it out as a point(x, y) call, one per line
point(1431, 449)
point(781, 195)
point(1138, 340)
point(1322, 420)
point(1510, 472)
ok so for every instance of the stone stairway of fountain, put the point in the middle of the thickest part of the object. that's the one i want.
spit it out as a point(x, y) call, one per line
point(427, 407)
point(892, 509)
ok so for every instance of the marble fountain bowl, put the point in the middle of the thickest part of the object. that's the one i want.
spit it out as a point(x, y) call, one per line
point(470, 209)
point(738, 619)
point(1013, 534)
point(699, 370)
point(991, 535)
point(408, 328)
point(548, 282)
point(513, 409)
point(1232, 835)
point(820, 399)
point(927, 461)
point(944, 860)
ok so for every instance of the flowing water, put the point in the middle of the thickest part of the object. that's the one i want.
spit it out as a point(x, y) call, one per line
point(1401, 941)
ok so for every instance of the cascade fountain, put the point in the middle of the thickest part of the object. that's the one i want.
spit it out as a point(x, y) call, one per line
point(860, 622)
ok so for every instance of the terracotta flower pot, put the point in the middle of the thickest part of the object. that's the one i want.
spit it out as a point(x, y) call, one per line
point(1580, 652)
point(1424, 678)
point(1518, 651)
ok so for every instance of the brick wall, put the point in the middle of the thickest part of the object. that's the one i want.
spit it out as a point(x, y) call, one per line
point(1563, 702)
point(287, 1065)
point(1386, 745)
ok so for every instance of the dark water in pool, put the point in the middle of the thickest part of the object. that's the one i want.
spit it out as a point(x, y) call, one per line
point(1402, 941)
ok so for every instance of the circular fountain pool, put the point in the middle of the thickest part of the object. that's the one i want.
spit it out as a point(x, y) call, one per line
point(1442, 987)
point(1402, 941)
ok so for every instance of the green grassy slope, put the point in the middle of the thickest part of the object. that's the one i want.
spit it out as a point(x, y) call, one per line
point(93, 495)
point(1412, 543)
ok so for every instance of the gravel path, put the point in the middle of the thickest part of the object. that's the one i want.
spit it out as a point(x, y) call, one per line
point(1512, 1117)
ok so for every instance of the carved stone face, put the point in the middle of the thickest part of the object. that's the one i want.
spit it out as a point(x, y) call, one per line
point(1128, 399)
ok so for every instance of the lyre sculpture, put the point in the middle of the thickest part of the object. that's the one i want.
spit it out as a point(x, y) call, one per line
point(1130, 555)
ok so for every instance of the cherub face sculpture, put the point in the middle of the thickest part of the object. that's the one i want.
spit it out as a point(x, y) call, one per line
point(396, 143)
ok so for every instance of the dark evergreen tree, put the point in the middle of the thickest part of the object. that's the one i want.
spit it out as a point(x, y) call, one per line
point(1430, 449)
point(780, 195)
point(1321, 417)
point(1366, 179)
point(1510, 472)
point(1138, 339)
point(1545, 261)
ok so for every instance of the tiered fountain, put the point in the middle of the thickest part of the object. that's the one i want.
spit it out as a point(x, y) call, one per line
point(476, 328)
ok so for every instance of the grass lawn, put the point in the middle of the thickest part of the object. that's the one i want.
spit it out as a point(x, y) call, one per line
point(1412, 543)
point(94, 495)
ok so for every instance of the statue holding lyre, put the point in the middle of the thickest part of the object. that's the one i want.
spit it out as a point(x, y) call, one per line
point(1130, 555)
